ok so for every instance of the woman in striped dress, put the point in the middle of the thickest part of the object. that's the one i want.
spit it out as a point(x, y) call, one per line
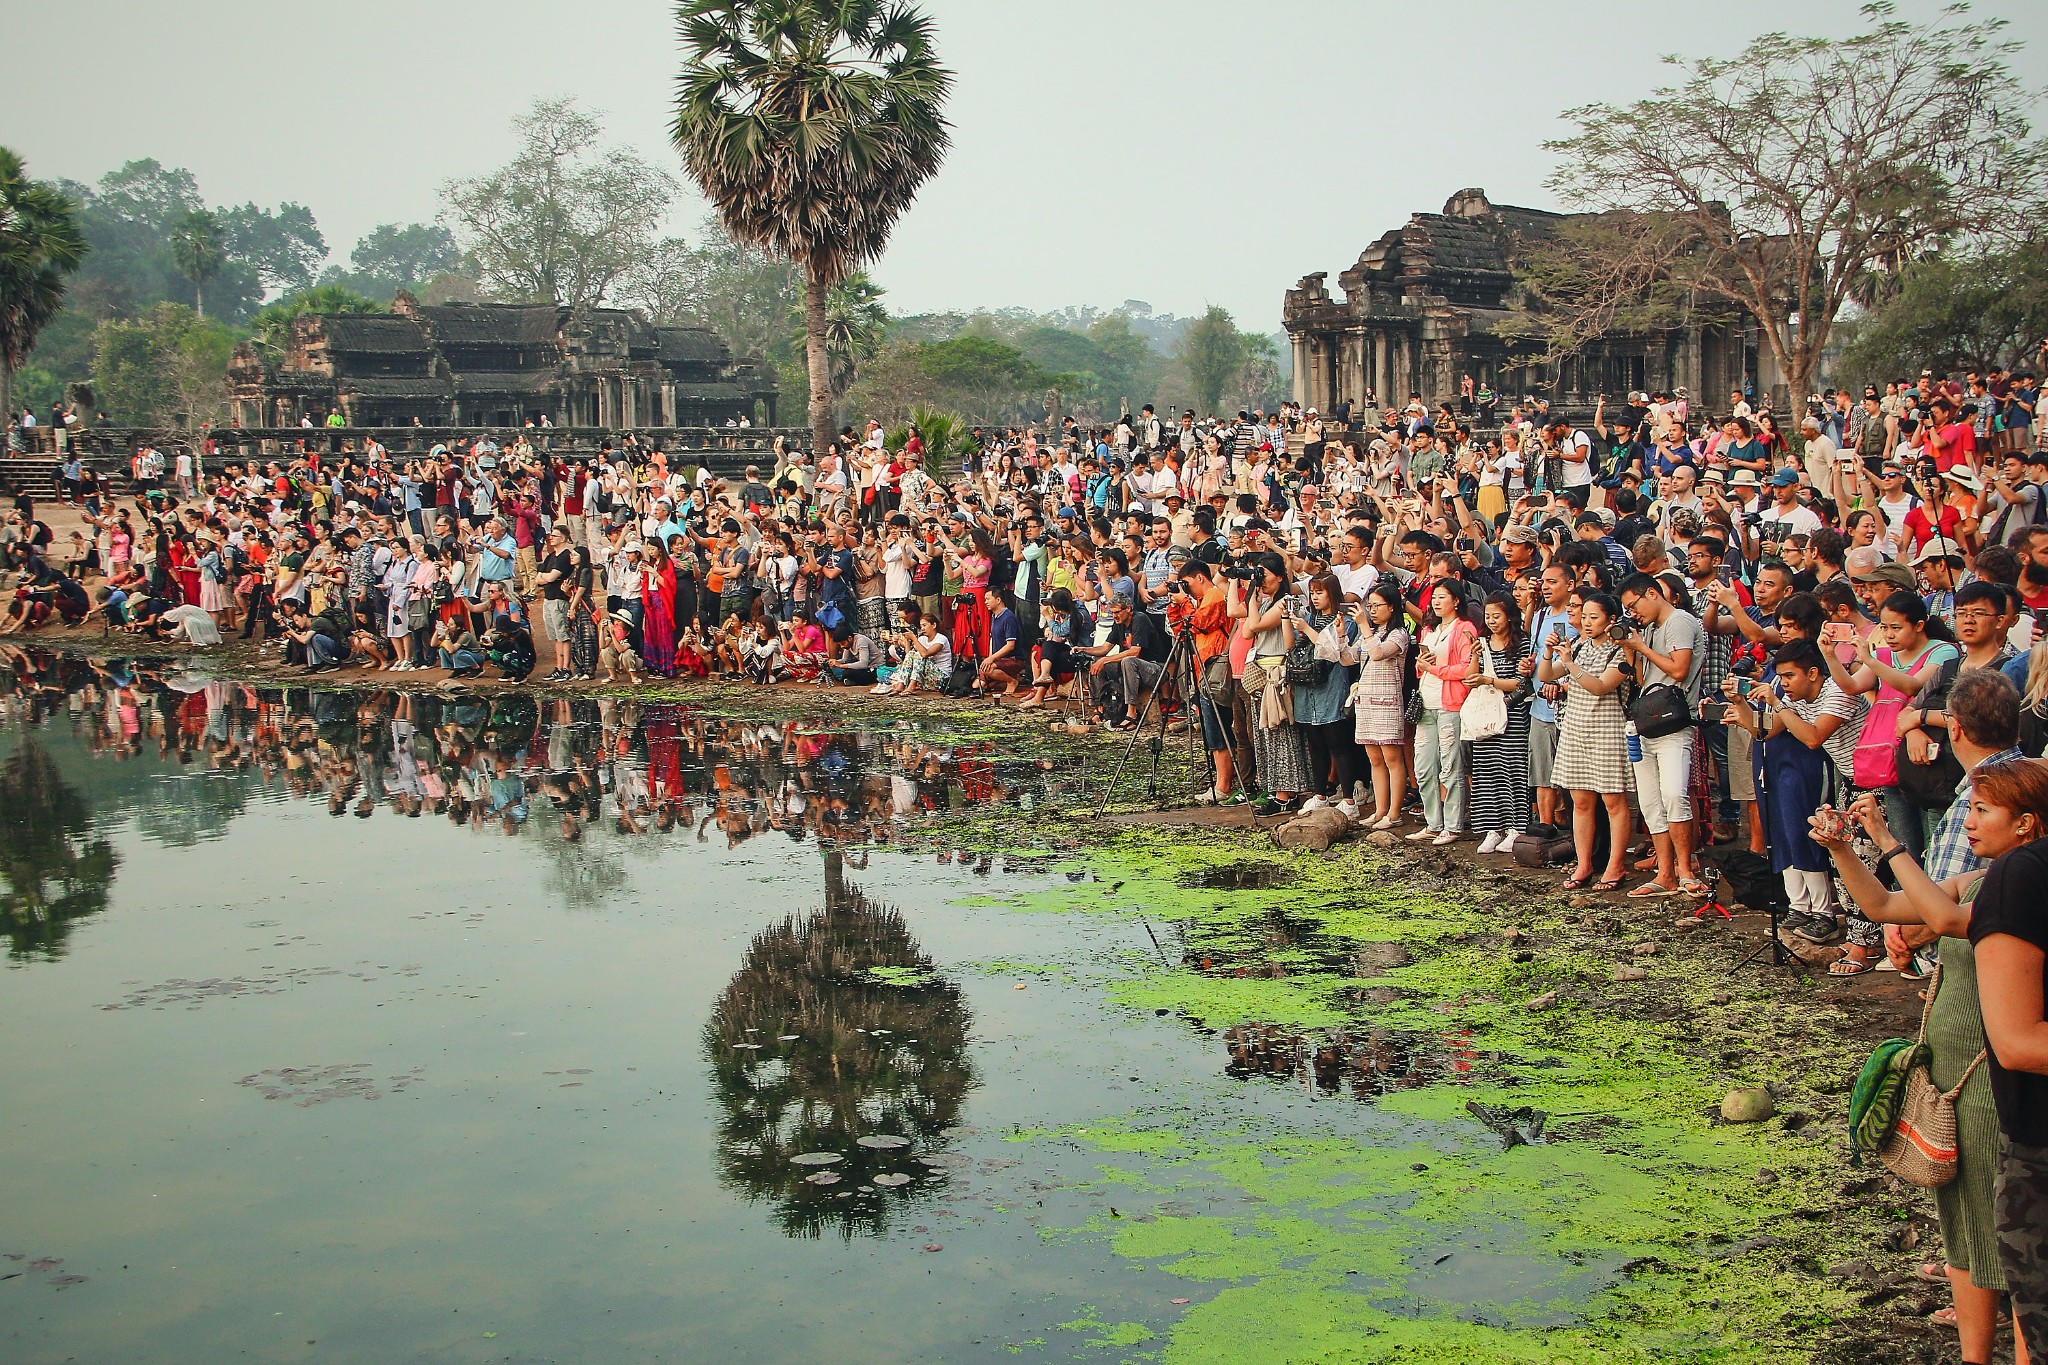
point(1500, 763)
point(1592, 750)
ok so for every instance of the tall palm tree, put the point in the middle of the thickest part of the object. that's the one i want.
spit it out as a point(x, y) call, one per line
point(199, 249)
point(855, 322)
point(41, 242)
point(810, 125)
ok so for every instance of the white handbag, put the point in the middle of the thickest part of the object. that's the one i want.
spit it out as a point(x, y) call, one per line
point(1485, 712)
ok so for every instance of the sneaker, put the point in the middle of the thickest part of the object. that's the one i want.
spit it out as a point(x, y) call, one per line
point(1207, 798)
point(879, 690)
point(1348, 809)
point(1236, 798)
point(1424, 833)
point(1314, 803)
point(1269, 807)
point(1449, 836)
point(1491, 843)
point(1812, 928)
point(1360, 793)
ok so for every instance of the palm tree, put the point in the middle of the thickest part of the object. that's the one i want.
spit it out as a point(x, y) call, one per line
point(810, 125)
point(41, 242)
point(855, 322)
point(199, 249)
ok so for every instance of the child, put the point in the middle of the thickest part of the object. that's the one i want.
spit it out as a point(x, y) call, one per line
point(616, 654)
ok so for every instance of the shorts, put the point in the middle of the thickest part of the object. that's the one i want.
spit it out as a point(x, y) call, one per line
point(1741, 765)
point(554, 615)
point(1215, 725)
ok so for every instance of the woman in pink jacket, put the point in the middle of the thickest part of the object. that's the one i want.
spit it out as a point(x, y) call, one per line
point(1442, 662)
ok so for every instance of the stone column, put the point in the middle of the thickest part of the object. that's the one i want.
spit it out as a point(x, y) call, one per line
point(1299, 345)
point(668, 403)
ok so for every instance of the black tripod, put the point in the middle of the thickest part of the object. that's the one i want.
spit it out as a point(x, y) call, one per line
point(1774, 897)
point(1179, 670)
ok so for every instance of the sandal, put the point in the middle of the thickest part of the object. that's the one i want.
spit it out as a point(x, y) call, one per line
point(1849, 966)
point(1610, 885)
point(1943, 1317)
point(1697, 889)
point(1932, 1272)
point(1577, 883)
point(1650, 890)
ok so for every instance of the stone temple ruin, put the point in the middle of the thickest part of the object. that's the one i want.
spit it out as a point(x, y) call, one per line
point(1424, 306)
point(498, 365)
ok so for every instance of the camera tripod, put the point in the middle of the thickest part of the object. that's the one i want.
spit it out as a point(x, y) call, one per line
point(1179, 670)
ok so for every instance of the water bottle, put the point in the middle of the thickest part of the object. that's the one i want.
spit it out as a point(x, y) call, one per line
point(1635, 743)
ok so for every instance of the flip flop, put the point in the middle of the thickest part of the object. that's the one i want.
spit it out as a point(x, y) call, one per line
point(1649, 891)
point(1692, 886)
point(1849, 966)
point(1610, 885)
point(1577, 883)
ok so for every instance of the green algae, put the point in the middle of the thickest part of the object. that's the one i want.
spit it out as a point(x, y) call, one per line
point(1413, 1236)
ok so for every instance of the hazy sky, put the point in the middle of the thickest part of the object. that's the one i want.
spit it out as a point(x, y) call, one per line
point(1183, 153)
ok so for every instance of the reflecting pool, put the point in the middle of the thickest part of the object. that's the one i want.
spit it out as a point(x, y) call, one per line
point(384, 1027)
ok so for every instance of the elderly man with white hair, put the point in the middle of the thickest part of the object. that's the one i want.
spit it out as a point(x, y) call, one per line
point(1823, 461)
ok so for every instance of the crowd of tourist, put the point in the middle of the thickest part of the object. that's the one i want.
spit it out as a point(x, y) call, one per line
point(1616, 643)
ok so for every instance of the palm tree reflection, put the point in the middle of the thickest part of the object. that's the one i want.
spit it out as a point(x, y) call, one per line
point(836, 1028)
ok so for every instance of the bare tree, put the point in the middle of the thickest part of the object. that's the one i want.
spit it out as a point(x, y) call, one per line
point(1775, 181)
point(565, 219)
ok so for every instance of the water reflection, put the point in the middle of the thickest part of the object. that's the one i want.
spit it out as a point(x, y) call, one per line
point(839, 1057)
point(555, 771)
point(56, 870)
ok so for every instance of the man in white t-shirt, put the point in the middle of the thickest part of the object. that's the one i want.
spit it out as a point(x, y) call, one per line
point(1575, 454)
point(1355, 575)
point(1790, 515)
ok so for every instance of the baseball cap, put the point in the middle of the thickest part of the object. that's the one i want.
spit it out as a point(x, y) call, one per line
point(1785, 477)
point(1898, 575)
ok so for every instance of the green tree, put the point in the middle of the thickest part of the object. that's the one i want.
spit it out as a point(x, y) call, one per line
point(565, 220)
point(41, 244)
point(394, 256)
point(168, 365)
point(810, 127)
point(1213, 352)
point(1777, 180)
point(1972, 312)
point(283, 246)
point(199, 248)
point(273, 325)
point(1130, 365)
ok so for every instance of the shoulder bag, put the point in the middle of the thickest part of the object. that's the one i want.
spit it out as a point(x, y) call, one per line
point(1216, 683)
point(1923, 1145)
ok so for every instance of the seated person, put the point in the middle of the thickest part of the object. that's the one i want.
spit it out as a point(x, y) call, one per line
point(854, 660)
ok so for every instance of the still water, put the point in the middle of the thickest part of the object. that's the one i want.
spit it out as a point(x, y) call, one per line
point(384, 1028)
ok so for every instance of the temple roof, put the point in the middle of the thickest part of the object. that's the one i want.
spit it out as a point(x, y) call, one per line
point(372, 332)
point(504, 324)
point(690, 344)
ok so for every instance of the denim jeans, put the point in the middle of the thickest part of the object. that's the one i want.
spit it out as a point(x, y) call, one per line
point(1908, 822)
point(460, 658)
point(1440, 761)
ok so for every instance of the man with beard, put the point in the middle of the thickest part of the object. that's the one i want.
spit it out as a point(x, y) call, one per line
point(2033, 552)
